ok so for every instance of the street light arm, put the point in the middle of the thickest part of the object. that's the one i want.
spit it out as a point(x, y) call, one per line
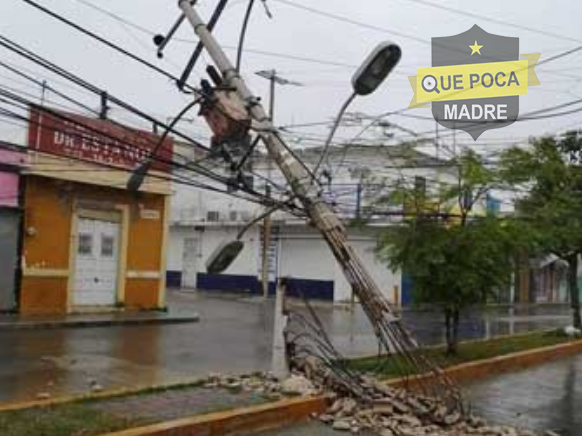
point(331, 134)
point(139, 174)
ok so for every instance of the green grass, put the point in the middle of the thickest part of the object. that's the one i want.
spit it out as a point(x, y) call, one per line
point(84, 417)
point(467, 352)
point(63, 420)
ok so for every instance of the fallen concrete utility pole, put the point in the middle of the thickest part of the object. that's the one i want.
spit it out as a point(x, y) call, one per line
point(388, 328)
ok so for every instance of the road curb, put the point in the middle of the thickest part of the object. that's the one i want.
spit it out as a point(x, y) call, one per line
point(244, 420)
point(91, 323)
point(471, 371)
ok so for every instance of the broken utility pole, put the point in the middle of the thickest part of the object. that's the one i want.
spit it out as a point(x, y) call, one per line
point(392, 336)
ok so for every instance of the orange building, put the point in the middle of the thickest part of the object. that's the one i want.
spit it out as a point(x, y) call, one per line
point(89, 244)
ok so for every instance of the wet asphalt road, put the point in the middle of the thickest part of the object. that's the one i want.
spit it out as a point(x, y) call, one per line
point(233, 336)
point(547, 397)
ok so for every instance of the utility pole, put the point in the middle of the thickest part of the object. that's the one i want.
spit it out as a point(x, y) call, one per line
point(279, 363)
point(43, 89)
point(104, 106)
point(387, 326)
point(274, 79)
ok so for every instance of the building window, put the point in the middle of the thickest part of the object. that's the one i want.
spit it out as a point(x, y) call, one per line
point(213, 215)
point(85, 247)
point(420, 185)
point(107, 244)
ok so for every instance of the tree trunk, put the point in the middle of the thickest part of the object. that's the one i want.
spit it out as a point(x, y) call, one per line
point(455, 340)
point(452, 329)
point(573, 290)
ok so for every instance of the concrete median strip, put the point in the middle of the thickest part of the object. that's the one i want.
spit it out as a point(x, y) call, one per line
point(244, 420)
point(471, 371)
point(106, 394)
point(289, 412)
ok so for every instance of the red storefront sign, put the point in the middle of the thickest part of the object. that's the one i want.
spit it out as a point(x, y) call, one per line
point(95, 140)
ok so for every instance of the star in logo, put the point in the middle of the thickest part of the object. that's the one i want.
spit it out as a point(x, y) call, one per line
point(476, 48)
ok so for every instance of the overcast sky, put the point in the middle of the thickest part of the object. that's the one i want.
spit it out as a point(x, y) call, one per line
point(301, 33)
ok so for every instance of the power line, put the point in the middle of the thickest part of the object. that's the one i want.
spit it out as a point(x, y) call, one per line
point(257, 197)
point(52, 102)
point(399, 112)
point(290, 208)
point(375, 119)
point(267, 53)
point(320, 61)
point(104, 41)
point(24, 104)
point(364, 25)
point(37, 59)
point(287, 56)
point(494, 20)
point(46, 86)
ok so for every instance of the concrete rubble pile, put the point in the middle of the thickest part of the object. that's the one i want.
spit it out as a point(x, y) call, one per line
point(397, 413)
point(388, 411)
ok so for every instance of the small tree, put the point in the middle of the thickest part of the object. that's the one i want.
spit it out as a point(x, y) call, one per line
point(454, 256)
point(550, 172)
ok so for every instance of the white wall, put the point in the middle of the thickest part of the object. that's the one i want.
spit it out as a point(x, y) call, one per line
point(302, 254)
point(306, 256)
point(209, 240)
point(380, 272)
point(176, 248)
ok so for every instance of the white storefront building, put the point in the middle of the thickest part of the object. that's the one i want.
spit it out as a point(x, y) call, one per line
point(202, 220)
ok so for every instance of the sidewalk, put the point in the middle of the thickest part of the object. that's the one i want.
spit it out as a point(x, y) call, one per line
point(85, 320)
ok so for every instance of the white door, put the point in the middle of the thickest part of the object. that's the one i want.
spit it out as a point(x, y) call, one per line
point(96, 263)
point(190, 262)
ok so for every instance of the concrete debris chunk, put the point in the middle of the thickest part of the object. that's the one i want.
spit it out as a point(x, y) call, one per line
point(326, 418)
point(348, 407)
point(386, 410)
point(96, 388)
point(572, 331)
point(297, 385)
point(341, 425)
point(399, 406)
point(452, 418)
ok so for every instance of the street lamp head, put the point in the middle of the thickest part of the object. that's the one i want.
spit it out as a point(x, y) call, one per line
point(224, 256)
point(376, 68)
